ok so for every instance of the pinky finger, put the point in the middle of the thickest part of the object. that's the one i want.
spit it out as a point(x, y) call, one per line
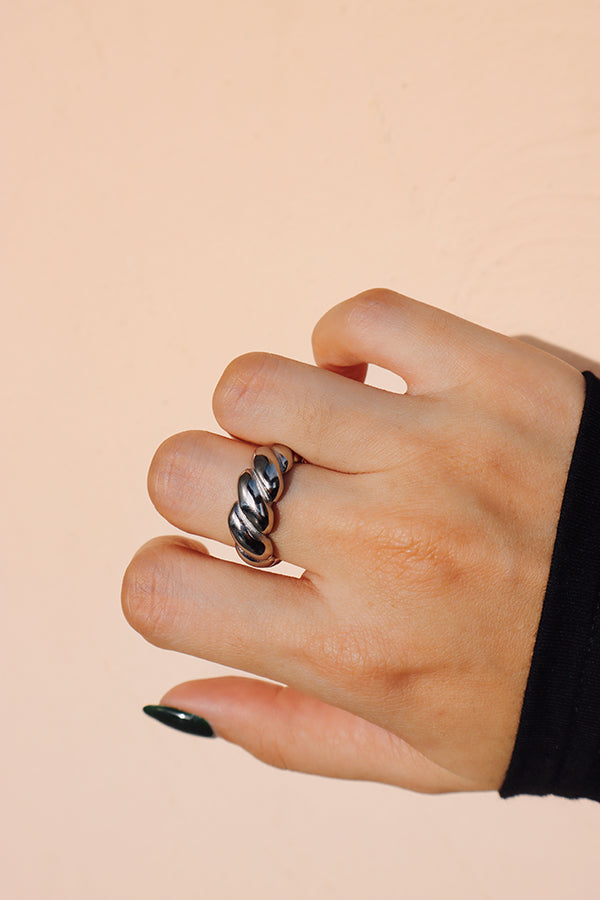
point(290, 730)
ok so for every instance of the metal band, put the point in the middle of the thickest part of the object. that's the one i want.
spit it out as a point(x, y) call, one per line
point(252, 517)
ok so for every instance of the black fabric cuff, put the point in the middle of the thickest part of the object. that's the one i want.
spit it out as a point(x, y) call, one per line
point(557, 748)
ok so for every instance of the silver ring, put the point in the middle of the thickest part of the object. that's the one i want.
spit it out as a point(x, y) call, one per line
point(252, 516)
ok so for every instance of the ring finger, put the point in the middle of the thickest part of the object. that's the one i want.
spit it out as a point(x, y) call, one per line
point(193, 482)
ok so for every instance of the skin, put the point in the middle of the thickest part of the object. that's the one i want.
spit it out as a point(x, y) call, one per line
point(425, 524)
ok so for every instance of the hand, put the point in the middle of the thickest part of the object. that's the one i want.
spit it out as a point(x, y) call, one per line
point(425, 522)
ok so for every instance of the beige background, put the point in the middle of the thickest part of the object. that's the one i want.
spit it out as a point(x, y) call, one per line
point(183, 182)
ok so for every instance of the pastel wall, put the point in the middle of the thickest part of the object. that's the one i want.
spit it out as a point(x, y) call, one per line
point(183, 182)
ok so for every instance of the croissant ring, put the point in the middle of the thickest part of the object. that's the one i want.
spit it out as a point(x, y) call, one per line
point(252, 516)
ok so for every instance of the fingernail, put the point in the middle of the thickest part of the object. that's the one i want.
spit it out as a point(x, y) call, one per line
point(182, 721)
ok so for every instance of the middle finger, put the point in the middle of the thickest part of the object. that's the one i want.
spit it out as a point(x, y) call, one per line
point(330, 420)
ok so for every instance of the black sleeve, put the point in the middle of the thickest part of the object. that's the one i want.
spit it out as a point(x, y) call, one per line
point(557, 748)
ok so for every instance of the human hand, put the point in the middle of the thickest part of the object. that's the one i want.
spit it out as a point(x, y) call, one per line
point(425, 522)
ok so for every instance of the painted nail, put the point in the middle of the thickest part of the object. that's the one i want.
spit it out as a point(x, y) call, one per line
point(182, 721)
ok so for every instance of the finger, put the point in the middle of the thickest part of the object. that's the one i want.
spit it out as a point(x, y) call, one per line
point(290, 730)
point(180, 598)
point(275, 626)
point(192, 482)
point(428, 347)
point(332, 421)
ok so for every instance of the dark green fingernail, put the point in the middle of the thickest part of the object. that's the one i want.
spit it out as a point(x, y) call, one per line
point(182, 721)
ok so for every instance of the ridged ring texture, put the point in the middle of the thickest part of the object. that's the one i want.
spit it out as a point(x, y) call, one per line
point(251, 517)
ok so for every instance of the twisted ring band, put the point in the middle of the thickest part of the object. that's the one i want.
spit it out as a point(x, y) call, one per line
point(252, 516)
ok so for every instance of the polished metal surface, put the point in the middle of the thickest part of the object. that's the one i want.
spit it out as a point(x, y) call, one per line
point(251, 517)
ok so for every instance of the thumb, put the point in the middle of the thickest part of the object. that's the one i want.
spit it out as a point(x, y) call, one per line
point(290, 730)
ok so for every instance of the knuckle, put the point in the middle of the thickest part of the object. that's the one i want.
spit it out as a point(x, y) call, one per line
point(171, 467)
point(421, 550)
point(147, 591)
point(315, 414)
point(370, 305)
point(425, 551)
point(243, 381)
